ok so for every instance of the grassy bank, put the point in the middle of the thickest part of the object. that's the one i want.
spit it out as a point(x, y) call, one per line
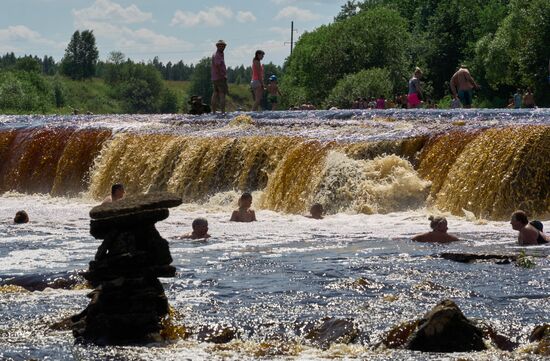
point(36, 94)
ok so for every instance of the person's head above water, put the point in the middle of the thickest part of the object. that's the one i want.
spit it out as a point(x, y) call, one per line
point(117, 191)
point(519, 220)
point(245, 201)
point(316, 211)
point(200, 226)
point(21, 217)
point(438, 223)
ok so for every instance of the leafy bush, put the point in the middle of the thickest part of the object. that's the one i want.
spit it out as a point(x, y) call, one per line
point(22, 91)
point(374, 38)
point(168, 102)
point(140, 91)
point(201, 80)
point(366, 83)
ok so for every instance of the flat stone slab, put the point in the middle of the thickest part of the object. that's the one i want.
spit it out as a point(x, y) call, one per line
point(136, 204)
point(470, 257)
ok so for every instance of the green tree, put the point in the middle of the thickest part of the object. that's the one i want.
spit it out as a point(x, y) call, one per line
point(28, 64)
point(517, 54)
point(201, 80)
point(371, 39)
point(370, 83)
point(140, 88)
point(81, 56)
point(168, 102)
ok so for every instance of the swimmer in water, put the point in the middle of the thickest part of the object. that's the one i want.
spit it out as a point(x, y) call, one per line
point(438, 234)
point(529, 234)
point(21, 217)
point(244, 213)
point(117, 192)
point(316, 211)
point(200, 230)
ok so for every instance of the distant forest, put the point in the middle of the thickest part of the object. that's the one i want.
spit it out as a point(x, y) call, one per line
point(170, 71)
point(370, 50)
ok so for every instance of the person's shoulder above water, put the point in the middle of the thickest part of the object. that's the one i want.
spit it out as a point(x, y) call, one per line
point(316, 211)
point(200, 230)
point(244, 213)
point(438, 234)
point(529, 234)
point(117, 192)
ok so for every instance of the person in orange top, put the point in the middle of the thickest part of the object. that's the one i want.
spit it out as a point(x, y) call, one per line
point(257, 83)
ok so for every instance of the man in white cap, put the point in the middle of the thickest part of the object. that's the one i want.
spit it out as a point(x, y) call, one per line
point(219, 77)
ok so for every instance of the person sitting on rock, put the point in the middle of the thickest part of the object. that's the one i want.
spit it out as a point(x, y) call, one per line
point(438, 234)
point(528, 235)
point(197, 106)
point(316, 211)
point(117, 192)
point(21, 217)
point(244, 213)
point(200, 229)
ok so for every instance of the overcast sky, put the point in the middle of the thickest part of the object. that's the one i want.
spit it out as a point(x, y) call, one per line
point(171, 29)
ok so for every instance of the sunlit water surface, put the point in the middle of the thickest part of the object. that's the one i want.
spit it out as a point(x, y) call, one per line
point(269, 277)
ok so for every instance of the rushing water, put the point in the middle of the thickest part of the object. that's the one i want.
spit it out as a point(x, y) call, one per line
point(378, 174)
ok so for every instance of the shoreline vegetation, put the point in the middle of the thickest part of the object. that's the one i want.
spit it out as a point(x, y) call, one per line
point(368, 52)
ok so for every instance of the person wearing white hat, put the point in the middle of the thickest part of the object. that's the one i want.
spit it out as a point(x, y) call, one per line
point(219, 77)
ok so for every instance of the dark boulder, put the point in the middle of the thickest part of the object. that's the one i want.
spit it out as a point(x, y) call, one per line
point(541, 335)
point(446, 329)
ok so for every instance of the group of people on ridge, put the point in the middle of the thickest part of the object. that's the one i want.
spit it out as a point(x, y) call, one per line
point(220, 87)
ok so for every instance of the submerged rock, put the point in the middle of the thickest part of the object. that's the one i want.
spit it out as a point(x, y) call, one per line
point(39, 282)
point(446, 329)
point(332, 330)
point(541, 335)
point(216, 334)
point(471, 257)
point(128, 303)
point(443, 329)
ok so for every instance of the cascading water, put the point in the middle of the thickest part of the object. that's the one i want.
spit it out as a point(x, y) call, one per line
point(377, 173)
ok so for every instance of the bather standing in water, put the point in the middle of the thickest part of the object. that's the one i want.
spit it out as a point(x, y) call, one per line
point(438, 234)
point(117, 192)
point(244, 213)
point(528, 235)
point(200, 229)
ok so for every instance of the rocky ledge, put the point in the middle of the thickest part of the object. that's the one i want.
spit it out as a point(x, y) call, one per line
point(128, 301)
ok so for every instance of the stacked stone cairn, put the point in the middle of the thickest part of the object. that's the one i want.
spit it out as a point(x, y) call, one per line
point(128, 301)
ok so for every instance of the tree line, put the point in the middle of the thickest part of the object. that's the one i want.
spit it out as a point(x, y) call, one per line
point(370, 50)
point(504, 43)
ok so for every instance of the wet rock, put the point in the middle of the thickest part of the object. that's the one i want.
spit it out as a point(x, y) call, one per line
point(398, 336)
point(471, 257)
point(540, 332)
point(332, 330)
point(216, 334)
point(499, 341)
point(39, 282)
point(136, 204)
point(541, 335)
point(446, 329)
point(128, 303)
